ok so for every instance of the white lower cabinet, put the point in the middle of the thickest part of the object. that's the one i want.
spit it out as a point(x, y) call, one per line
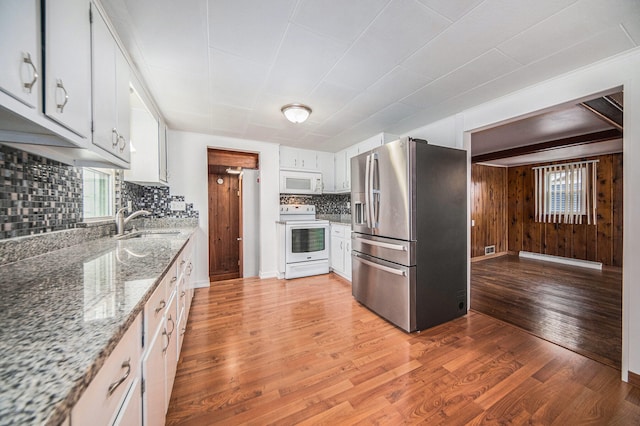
point(134, 385)
point(341, 250)
point(108, 393)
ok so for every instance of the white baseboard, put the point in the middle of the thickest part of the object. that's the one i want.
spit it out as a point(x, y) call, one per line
point(201, 284)
point(271, 274)
point(565, 260)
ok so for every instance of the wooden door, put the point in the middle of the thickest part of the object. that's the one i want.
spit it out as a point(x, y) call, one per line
point(224, 226)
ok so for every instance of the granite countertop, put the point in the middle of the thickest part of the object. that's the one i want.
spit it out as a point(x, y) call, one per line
point(62, 314)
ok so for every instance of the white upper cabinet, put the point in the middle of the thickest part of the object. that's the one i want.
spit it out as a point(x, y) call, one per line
point(295, 158)
point(148, 142)
point(21, 73)
point(326, 166)
point(110, 72)
point(343, 159)
point(67, 79)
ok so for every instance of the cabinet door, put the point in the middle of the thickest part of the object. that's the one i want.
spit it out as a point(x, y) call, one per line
point(307, 159)
point(154, 376)
point(105, 132)
point(110, 80)
point(171, 358)
point(122, 104)
point(347, 255)
point(67, 79)
point(288, 158)
point(351, 152)
point(131, 410)
point(340, 166)
point(326, 166)
point(337, 254)
point(19, 52)
point(162, 146)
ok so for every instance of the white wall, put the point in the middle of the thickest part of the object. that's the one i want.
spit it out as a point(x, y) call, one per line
point(188, 177)
point(621, 71)
point(251, 223)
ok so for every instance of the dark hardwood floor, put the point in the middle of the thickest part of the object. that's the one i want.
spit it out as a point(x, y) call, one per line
point(577, 308)
point(305, 352)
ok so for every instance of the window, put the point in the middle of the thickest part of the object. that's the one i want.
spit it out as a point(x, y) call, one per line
point(97, 193)
point(566, 187)
point(566, 193)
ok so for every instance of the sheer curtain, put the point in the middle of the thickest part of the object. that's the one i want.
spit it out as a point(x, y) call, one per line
point(566, 193)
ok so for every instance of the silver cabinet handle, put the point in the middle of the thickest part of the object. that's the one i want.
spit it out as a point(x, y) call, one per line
point(173, 325)
point(114, 137)
point(113, 386)
point(182, 293)
point(164, 333)
point(122, 142)
point(190, 269)
point(382, 267)
point(183, 262)
point(383, 245)
point(26, 58)
point(60, 106)
point(174, 279)
point(161, 306)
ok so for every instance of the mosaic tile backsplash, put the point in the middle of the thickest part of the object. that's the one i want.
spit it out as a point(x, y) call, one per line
point(326, 204)
point(39, 195)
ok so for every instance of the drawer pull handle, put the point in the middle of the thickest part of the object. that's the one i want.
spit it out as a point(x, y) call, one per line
point(183, 262)
point(182, 293)
point(174, 279)
point(113, 386)
point(161, 306)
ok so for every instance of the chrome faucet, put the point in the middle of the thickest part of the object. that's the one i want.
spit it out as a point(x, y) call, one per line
point(121, 221)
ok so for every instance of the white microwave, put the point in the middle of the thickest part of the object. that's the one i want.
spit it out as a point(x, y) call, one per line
point(296, 182)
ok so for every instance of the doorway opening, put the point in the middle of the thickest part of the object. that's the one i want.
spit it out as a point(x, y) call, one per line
point(225, 208)
point(567, 305)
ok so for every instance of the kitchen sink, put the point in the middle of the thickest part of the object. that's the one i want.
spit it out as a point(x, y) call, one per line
point(148, 235)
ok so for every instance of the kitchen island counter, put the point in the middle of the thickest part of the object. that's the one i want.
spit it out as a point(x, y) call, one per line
point(64, 312)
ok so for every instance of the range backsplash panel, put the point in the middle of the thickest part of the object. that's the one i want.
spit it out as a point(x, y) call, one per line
point(39, 195)
point(326, 204)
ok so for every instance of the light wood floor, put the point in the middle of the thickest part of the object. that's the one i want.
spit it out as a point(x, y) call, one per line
point(577, 308)
point(304, 352)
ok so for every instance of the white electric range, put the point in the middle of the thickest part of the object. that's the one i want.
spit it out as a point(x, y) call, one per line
point(303, 242)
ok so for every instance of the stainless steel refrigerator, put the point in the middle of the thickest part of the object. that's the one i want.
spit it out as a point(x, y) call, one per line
point(409, 240)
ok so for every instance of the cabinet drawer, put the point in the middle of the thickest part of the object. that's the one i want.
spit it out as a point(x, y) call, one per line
point(101, 401)
point(337, 231)
point(156, 306)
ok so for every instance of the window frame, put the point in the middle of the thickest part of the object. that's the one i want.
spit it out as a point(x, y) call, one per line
point(110, 193)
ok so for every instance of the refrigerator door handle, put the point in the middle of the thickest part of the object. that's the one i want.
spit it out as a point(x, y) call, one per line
point(374, 193)
point(381, 267)
point(367, 198)
point(384, 245)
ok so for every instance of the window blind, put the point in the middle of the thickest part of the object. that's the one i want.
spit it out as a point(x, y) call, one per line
point(566, 193)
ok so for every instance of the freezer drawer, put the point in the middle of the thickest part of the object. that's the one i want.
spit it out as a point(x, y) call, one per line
point(397, 251)
point(386, 288)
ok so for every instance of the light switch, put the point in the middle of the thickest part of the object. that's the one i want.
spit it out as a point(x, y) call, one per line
point(178, 206)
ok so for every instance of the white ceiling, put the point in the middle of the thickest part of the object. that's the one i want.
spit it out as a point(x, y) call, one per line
point(226, 67)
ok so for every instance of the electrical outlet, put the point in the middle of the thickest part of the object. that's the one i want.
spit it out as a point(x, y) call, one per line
point(129, 205)
point(178, 206)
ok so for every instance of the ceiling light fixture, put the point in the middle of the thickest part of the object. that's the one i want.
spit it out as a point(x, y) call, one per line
point(296, 113)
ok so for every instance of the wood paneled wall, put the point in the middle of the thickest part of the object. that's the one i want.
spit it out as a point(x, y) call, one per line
point(601, 242)
point(488, 208)
point(503, 208)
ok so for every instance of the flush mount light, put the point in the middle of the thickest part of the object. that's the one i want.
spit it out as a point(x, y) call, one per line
point(296, 113)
